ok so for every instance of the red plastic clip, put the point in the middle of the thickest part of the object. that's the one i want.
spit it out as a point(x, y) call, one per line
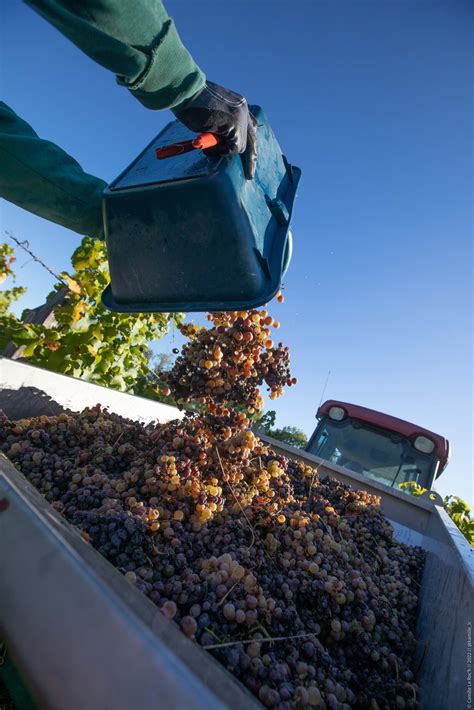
point(201, 142)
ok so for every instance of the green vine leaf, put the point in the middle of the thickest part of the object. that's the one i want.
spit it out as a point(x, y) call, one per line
point(86, 341)
point(457, 509)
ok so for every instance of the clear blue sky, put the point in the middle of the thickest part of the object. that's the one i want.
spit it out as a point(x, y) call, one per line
point(371, 100)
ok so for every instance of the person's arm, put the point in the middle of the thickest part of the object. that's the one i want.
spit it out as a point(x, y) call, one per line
point(136, 40)
point(40, 177)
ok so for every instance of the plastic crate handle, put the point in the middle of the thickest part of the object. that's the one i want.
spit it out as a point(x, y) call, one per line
point(201, 142)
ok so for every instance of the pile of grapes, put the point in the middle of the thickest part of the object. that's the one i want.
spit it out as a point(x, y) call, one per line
point(292, 581)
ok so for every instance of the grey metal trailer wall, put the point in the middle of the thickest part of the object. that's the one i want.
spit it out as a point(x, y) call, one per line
point(28, 391)
point(48, 567)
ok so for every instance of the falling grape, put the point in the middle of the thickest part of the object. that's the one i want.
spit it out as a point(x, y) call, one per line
point(228, 362)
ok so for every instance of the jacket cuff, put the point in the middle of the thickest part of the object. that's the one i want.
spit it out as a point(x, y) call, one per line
point(171, 76)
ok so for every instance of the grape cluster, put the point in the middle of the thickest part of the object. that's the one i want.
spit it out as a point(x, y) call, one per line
point(239, 546)
point(230, 361)
point(294, 582)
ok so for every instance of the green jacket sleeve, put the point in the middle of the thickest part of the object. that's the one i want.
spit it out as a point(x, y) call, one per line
point(135, 39)
point(40, 177)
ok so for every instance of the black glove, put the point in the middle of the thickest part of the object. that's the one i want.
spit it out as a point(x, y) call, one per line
point(225, 113)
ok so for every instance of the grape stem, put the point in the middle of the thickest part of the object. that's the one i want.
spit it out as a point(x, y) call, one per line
point(227, 593)
point(236, 499)
point(212, 633)
point(267, 640)
point(120, 435)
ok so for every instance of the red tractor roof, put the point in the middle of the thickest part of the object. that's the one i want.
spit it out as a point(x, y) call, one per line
point(385, 421)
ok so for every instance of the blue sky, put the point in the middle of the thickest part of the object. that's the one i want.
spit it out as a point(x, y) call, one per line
point(371, 100)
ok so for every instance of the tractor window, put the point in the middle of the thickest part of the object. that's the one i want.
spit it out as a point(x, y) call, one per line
point(384, 456)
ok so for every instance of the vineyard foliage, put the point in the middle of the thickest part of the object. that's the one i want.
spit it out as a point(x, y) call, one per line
point(288, 434)
point(457, 509)
point(86, 340)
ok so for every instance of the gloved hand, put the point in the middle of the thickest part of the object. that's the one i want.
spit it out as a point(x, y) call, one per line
point(217, 110)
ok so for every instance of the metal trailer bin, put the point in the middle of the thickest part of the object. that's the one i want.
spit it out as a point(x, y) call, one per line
point(83, 638)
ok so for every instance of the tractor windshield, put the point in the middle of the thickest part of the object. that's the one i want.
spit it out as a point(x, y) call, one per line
point(385, 456)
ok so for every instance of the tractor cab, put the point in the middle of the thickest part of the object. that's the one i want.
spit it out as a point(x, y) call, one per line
point(384, 448)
